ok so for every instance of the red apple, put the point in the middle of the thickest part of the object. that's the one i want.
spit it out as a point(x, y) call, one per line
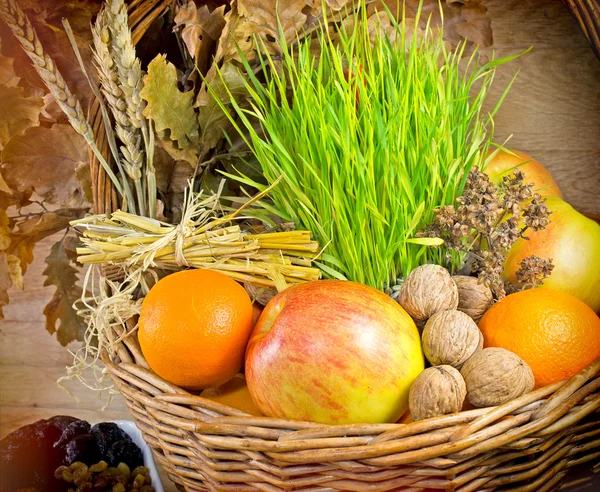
point(334, 352)
point(504, 163)
point(572, 241)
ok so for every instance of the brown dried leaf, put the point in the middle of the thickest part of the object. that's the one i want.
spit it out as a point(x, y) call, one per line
point(201, 29)
point(213, 121)
point(248, 18)
point(17, 112)
point(8, 77)
point(5, 231)
point(5, 282)
point(57, 45)
point(463, 19)
point(36, 228)
point(189, 154)
point(15, 271)
point(46, 160)
point(61, 317)
point(168, 107)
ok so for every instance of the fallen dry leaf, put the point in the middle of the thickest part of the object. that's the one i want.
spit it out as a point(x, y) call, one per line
point(56, 43)
point(189, 154)
point(463, 19)
point(17, 112)
point(5, 282)
point(15, 271)
point(213, 121)
point(168, 107)
point(61, 317)
point(200, 31)
point(249, 18)
point(35, 228)
point(45, 160)
point(8, 77)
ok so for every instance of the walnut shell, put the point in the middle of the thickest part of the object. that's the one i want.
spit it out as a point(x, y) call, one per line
point(262, 295)
point(474, 298)
point(495, 376)
point(437, 391)
point(451, 337)
point(427, 290)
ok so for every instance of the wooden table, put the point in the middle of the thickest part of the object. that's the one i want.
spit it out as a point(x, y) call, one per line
point(553, 111)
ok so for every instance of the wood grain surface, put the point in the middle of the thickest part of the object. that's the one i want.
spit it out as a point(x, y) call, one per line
point(552, 113)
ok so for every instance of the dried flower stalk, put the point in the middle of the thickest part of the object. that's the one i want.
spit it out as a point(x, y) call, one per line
point(23, 30)
point(487, 221)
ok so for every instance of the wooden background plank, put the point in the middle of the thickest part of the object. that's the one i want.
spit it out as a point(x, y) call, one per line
point(552, 111)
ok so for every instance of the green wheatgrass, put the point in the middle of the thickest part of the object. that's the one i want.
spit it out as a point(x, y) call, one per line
point(369, 136)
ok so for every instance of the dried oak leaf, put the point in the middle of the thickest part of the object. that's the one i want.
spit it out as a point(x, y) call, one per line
point(463, 20)
point(61, 317)
point(8, 77)
point(213, 121)
point(38, 227)
point(168, 107)
point(5, 282)
point(56, 43)
point(47, 160)
point(189, 154)
point(248, 18)
point(201, 29)
point(17, 112)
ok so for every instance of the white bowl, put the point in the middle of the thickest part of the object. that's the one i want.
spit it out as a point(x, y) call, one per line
point(131, 429)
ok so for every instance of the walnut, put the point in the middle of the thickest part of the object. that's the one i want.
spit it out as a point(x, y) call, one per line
point(262, 295)
point(427, 290)
point(451, 337)
point(437, 391)
point(495, 376)
point(474, 298)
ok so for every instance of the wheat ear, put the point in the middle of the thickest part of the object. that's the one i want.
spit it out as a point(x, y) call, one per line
point(109, 80)
point(129, 72)
point(22, 29)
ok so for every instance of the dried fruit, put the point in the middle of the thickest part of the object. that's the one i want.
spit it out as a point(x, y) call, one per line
point(438, 390)
point(474, 297)
point(427, 290)
point(494, 376)
point(451, 337)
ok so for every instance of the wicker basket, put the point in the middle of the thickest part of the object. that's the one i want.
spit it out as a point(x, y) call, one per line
point(587, 13)
point(526, 444)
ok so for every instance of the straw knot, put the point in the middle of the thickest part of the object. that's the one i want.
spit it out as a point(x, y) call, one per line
point(182, 232)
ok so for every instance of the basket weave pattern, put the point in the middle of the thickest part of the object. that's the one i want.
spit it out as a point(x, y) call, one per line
point(526, 444)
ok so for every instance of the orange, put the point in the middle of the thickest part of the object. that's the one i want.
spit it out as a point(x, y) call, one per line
point(554, 332)
point(194, 326)
point(235, 394)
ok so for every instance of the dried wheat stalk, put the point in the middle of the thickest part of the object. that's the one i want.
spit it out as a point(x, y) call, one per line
point(109, 80)
point(129, 73)
point(22, 29)
point(203, 239)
